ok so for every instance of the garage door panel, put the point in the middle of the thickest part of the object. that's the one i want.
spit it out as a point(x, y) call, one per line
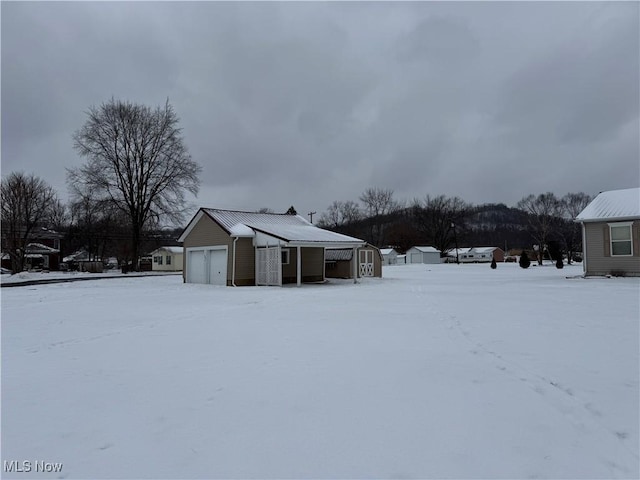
point(207, 265)
point(218, 267)
point(196, 272)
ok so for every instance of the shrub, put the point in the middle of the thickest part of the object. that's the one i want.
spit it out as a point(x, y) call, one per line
point(494, 265)
point(559, 263)
point(524, 260)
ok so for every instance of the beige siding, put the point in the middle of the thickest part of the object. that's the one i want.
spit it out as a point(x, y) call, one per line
point(245, 262)
point(207, 233)
point(312, 265)
point(344, 268)
point(176, 264)
point(597, 255)
point(340, 269)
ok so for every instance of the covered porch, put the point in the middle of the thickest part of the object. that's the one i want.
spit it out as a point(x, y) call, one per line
point(292, 255)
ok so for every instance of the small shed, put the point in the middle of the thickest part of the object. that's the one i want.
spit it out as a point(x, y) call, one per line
point(389, 256)
point(167, 259)
point(611, 233)
point(339, 262)
point(429, 255)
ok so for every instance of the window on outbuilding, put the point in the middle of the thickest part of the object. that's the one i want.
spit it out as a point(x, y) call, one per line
point(285, 256)
point(168, 259)
point(621, 239)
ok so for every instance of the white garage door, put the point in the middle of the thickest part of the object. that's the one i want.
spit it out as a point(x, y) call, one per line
point(218, 267)
point(207, 265)
point(416, 258)
point(196, 272)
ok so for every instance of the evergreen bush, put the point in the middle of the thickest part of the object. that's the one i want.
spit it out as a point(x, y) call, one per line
point(494, 265)
point(524, 260)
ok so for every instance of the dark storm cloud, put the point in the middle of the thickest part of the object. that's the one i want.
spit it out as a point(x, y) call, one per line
point(306, 103)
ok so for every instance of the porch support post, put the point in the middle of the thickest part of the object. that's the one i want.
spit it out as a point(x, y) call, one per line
point(355, 264)
point(299, 265)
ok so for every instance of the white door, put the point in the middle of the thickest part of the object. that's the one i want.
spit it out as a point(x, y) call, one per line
point(366, 263)
point(416, 258)
point(196, 272)
point(269, 266)
point(217, 264)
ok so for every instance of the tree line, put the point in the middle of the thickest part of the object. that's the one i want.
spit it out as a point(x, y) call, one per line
point(541, 223)
point(138, 170)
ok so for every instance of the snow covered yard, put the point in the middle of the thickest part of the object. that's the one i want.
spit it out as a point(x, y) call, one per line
point(434, 371)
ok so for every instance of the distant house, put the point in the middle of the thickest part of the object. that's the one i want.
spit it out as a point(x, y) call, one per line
point(339, 262)
point(42, 251)
point(167, 259)
point(611, 233)
point(482, 255)
point(455, 255)
point(227, 247)
point(389, 256)
point(423, 255)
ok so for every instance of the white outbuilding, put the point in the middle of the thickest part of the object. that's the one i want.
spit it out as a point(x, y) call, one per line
point(167, 259)
point(423, 255)
point(389, 256)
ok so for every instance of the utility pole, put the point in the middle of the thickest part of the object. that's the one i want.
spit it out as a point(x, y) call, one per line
point(455, 239)
point(311, 214)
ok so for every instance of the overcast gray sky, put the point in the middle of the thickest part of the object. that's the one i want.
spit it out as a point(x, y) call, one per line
point(305, 103)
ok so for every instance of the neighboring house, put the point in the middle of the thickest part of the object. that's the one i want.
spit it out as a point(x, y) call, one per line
point(481, 255)
point(423, 255)
point(339, 262)
point(39, 255)
point(611, 233)
point(167, 259)
point(42, 251)
point(389, 256)
point(226, 247)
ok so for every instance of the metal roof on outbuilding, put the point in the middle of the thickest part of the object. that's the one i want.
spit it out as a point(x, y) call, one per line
point(288, 228)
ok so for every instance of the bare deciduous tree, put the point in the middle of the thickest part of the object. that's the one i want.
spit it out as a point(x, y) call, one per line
point(378, 203)
point(137, 161)
point(572, 204)
point(543, 214)
point(340, 213)
point(27, 203)
point(434, 218)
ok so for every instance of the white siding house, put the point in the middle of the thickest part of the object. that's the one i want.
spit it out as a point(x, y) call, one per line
point(423, 255)
point(167, 259)
point(482, 255)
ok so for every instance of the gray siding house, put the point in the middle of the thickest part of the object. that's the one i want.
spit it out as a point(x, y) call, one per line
point(611, 233)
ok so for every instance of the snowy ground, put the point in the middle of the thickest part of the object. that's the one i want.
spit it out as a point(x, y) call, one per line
point(44, 276)
point(440, 371)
